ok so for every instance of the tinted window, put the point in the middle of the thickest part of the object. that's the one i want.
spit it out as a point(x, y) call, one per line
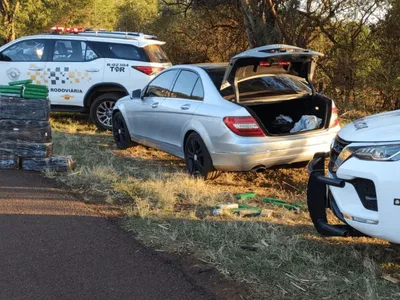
point(184, 85)
point(161, 85)
point(262, 86)
point(31, 50)
point(198, 92)
point(156, 54)
point(121, 51)
point(73, 51)
point(271, 86)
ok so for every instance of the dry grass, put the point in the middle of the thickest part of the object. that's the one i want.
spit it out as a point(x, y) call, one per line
point(281, 255)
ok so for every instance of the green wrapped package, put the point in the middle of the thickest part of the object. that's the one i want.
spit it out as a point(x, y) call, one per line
point(246, 196)
point(30, 96)
point(38, 93)
point(20, 82)
point(35, 87)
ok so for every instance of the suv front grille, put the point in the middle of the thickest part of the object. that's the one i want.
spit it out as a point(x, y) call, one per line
point(366, 191)
point(337, 148)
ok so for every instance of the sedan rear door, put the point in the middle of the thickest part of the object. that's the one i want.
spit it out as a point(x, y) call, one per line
point(176, 111)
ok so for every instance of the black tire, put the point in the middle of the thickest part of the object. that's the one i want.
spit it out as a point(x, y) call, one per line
point(198, 159)
point(120, 131)
point(101, 110)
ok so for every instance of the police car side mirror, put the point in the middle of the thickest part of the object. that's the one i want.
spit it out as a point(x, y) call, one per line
point(136, 93)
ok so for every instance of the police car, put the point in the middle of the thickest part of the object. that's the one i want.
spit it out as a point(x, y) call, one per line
point(86, 71)
point(362, 186)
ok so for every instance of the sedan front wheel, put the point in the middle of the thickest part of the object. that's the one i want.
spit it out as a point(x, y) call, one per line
point(198, 159)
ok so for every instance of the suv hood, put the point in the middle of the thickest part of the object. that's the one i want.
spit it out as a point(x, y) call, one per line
point(271, 59)
point(384, 127)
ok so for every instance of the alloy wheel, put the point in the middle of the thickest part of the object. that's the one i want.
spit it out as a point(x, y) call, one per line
point(195, 158)
point(104, 112)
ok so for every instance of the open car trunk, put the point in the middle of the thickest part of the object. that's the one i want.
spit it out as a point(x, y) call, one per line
point(269, 114)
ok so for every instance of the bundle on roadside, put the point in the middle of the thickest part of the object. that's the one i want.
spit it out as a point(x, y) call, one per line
point(25, 131)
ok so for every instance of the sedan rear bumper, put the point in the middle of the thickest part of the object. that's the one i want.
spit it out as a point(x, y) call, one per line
point(249, 160)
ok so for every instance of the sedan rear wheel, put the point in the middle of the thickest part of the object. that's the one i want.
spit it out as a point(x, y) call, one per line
point(120, 132)
point(198, 159)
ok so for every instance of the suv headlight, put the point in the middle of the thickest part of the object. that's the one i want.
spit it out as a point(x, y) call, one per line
point(389, 152)
point(379, 152)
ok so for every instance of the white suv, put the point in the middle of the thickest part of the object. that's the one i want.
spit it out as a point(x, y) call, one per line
point(85, 72)
point(362, 187)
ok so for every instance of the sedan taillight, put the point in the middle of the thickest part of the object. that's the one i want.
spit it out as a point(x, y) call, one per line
point(244, 126)
point(148, 70)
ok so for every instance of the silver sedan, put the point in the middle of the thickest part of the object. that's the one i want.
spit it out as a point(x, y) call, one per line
point(258, 111)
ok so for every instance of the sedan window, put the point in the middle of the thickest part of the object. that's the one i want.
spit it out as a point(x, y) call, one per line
point(198, 91)
point(161, 85)
point(184, 85)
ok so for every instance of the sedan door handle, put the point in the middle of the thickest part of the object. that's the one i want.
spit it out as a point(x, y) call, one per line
point(92, 70)
point(185, 107)
point(154, 105)
point(35, 69)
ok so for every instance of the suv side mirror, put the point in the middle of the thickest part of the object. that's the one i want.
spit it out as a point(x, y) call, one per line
point(136, 93)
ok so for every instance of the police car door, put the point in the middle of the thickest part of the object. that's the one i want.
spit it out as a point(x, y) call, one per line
point(72, 70)
point(23, 60)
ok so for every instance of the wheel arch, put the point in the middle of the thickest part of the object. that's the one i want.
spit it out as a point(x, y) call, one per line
point(202, 132)
point(101, 88)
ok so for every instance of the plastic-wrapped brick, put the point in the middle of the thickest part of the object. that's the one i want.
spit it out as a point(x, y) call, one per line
point(24, 109)
point(26, 149)
point(54, 164)
point(25, 131)
point(8, 162)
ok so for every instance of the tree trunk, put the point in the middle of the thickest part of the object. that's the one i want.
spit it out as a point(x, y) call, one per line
point(8, 11)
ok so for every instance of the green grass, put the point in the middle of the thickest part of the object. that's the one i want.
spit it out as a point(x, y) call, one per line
point(281, 256)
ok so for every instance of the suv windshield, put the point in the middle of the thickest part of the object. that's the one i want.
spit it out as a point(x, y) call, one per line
point(156, 54)
point(262, 86)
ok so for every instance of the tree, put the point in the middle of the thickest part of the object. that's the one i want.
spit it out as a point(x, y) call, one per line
point(8, 12)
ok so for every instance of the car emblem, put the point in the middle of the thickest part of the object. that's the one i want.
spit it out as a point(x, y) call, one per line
point(13, 74)
point(67, 97)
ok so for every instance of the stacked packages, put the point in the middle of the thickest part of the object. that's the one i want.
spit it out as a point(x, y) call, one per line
point(25, 132)
point(24, 89)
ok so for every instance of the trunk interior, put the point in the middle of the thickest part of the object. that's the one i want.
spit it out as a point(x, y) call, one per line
point(268, 113)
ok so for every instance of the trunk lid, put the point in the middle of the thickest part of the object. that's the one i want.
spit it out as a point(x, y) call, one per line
point(384, 127)
point(270, 60)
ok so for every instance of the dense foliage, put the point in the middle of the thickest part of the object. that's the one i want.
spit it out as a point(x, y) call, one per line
point(360, 39)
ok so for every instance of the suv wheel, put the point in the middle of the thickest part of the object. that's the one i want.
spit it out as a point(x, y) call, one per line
point(101, 110)
point(198, 159)
point(121, 134)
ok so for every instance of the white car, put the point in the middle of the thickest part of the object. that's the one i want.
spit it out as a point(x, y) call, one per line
point(251, 114)
point(87, 71)
point(363, 177)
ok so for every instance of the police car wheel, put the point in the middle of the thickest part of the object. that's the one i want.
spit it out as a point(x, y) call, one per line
point(121, 134)
point(101, 110)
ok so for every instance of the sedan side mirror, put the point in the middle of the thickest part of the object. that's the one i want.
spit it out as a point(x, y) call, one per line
point(136, 93)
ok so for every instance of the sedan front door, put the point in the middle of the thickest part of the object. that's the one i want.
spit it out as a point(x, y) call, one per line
point(177, 110)
point(143, 114)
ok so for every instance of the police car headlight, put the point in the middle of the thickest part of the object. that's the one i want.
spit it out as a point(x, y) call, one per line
point(379, 153)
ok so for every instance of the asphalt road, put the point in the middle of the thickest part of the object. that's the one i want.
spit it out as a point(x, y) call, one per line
point(53, 246)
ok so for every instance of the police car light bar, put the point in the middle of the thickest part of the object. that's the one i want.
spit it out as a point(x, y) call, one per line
point(60, 29)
